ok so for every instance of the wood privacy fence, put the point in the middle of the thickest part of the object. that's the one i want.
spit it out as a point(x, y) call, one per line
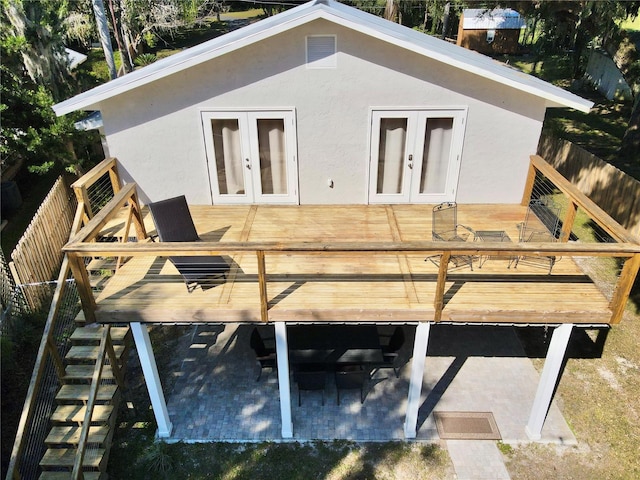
point(38, 254)
point(613, 190)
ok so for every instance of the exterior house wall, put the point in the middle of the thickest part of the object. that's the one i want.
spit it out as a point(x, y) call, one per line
point(155, 131)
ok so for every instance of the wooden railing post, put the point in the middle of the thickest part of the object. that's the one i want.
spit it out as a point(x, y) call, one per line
point(568, 221)
point(262, 285)
point(442, 279)
point(623, 288)
point(528, 186)
point(114, 177)
point(113, 360)
point(141, 232)
point(79, 271)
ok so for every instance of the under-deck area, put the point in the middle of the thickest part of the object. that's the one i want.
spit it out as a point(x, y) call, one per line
point(327, 284)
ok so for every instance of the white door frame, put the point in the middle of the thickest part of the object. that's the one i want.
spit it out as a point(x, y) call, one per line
point(250, 155)
point(413, 154)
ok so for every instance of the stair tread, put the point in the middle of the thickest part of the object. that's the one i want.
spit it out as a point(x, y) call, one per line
point(84, 334)
point(80, 393)
point(71, 435)
point(85, 372)
point(65, 457)
point(76, 413)
point(90, 352)
point(67, 475)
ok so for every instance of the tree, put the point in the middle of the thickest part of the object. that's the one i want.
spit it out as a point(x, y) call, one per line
point(30, 132)
point(105, 38)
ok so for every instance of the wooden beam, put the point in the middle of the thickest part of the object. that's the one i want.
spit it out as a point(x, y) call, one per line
point(85, 293)
point(528, 186)
point(623, 288)
point(438, 302)
point(568, 221)
point(262, 285)
point(505, 249)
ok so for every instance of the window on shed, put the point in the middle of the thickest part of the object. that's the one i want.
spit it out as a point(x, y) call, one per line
point(321, 51)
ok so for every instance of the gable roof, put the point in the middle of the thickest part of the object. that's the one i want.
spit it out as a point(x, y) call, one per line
point(343, 15)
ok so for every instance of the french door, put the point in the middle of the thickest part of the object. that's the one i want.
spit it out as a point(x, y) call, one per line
point(415, 155)
point(251, 156)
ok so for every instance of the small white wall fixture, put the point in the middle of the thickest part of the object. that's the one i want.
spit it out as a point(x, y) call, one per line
point(151, 378)
point(548, 380)
point(282, 357)
point(417, 374)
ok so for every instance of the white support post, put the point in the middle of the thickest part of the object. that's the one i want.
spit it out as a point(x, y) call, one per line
point(282, 357)
point(548, 380)
point(151, 378)
point(415, 383)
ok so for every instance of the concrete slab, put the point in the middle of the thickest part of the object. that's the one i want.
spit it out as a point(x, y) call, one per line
point(477, 460)
point(215, 396)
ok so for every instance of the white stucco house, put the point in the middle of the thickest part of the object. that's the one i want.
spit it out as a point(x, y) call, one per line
point(325, 104)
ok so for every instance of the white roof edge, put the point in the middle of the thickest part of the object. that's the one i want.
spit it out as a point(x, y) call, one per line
point(349, 17)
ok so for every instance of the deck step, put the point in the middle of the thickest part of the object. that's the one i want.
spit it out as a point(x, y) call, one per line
point(71, 435)
point(67, 475)
point(93, 335)
point(85, 372)
point(85, 353)
point(80, 393)
point(74, 414)
point(64, 457)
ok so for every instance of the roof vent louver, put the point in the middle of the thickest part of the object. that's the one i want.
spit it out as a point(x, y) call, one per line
point(321, 51)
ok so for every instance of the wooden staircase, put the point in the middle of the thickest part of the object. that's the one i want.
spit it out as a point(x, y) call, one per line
point(67, 419)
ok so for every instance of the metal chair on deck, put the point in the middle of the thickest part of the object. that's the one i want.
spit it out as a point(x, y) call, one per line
point(541, 225)
point(174, 224)
point(445, 228)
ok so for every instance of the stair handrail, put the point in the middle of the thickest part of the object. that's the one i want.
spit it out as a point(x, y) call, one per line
point(47, 347)
point(76, 473)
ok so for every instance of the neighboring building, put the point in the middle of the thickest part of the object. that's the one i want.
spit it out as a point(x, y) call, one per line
point(604, 75)
point(490, 31)
point(327, 105)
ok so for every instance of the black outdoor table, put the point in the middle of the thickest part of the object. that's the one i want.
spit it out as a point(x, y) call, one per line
point(334, 344)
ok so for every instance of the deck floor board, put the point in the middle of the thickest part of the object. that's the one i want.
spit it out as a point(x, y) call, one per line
point(356, 287)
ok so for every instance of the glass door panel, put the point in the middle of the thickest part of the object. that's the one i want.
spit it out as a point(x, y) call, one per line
point(273, 159)
point(436, 155)
point(391, 154)
point(228, 156)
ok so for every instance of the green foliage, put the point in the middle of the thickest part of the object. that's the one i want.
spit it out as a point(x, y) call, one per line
point(145, 59)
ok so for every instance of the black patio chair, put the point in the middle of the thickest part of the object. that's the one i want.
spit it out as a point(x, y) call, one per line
point(390, 350)
point(174, 224)
point(266, 357)
point(445, 228)
point(310, 378)
point(351, 377)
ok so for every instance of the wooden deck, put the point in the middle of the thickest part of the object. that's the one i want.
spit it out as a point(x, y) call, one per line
point(349, 286)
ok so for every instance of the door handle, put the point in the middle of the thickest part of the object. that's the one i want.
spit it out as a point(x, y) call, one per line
point(410, 164)
point(248, 164)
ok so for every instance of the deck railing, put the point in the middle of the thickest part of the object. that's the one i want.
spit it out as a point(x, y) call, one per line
point(626, 248)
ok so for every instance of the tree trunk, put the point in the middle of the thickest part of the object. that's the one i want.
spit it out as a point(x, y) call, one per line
point(391, 11)
point(105, 39)
point(445, 19)
point(117, 31)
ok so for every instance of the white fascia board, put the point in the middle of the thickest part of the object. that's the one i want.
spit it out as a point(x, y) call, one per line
point(464, 59)
point(348, 17)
